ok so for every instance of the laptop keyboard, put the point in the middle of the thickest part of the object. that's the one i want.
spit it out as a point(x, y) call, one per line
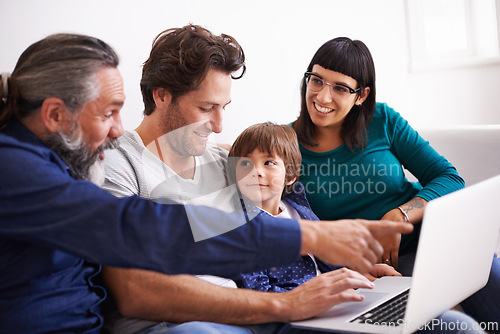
point(390, 312)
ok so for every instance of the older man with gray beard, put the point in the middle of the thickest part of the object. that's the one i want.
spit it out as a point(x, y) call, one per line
point(83, 162)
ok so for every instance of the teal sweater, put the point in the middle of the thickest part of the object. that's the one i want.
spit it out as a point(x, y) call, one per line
point(369, 183)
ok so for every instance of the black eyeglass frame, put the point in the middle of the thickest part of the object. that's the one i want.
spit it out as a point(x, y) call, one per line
point(308, 75)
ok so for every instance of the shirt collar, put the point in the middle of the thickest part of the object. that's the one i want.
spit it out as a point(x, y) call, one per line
point(21, 133)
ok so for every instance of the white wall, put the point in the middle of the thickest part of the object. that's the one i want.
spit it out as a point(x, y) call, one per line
point(279, 38)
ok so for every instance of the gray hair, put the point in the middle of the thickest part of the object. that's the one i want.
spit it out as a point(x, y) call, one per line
point(60, 65)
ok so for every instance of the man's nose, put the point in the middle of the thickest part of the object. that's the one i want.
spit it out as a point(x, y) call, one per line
point(116, 129)
point(216, 121)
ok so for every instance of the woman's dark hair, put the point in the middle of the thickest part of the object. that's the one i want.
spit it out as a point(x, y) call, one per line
point(181, 57)
point(351, 58)
point(60, 65)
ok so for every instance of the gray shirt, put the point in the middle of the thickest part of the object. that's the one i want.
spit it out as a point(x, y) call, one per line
point(134, 169)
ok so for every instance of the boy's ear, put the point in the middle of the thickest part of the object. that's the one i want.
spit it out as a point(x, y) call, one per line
point(54, 114)
point(290, 182)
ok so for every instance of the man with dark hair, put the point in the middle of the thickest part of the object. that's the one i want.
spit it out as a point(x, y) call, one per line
point(59, 110)
point(180, 59)
point(186, 85)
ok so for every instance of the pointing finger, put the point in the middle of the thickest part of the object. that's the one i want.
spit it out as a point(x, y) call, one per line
point(387, 226)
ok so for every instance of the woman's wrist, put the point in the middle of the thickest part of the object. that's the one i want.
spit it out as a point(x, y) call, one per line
point(405, 215)
point(412, 211)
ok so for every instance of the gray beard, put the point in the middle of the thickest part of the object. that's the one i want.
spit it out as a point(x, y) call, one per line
point(83, 163)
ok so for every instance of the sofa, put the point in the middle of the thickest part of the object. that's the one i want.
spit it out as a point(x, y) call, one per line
point(474, 150)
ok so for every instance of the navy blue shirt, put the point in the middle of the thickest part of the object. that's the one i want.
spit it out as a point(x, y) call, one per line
point(284, 278)
point(53, 229)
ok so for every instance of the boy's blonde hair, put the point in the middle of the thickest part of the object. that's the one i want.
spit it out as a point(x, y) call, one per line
point(275, 139)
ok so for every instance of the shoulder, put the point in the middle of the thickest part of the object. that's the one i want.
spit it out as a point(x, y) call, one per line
point(10, 144)
point(21, 153)
point(124, 166)
point(128, 143)
point(31, 168)
point(217, 151)
point(128, 150)
point(385, 117)
point(384, 112)
point(215, 154)
point(298, 200)
point(17, 138)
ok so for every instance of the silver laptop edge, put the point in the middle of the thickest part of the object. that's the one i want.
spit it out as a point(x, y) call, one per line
point(457, 241)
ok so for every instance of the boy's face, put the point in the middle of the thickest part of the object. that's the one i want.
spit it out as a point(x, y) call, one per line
point(261, 178)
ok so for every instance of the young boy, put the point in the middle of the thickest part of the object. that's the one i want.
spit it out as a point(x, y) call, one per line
point(265, 163)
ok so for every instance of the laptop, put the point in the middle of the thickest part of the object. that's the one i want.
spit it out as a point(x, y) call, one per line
point(457, 243)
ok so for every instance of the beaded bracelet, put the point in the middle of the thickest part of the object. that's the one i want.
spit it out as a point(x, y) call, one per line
point(407, 219)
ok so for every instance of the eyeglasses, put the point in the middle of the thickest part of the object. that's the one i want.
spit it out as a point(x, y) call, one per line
point(317, 83)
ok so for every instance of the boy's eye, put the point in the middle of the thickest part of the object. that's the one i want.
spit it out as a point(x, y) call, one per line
point(245, 163)
point(270, 163)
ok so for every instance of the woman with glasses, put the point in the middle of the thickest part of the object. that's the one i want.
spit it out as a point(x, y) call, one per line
point(354, 149)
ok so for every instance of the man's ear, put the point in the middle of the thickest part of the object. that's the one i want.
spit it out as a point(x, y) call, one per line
point(162, 98)
point(54, 114)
